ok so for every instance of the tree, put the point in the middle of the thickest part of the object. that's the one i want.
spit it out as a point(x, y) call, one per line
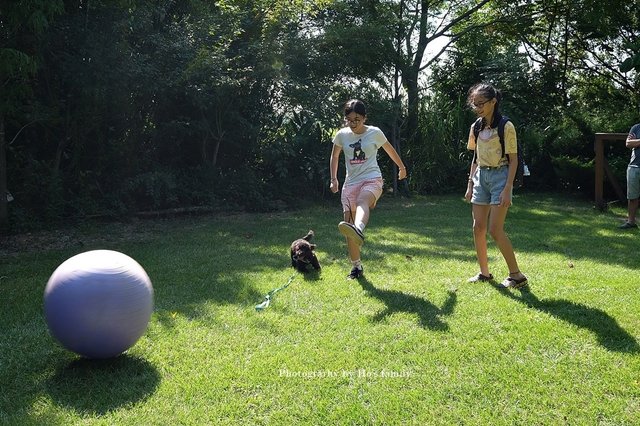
point(570, 40)
point(21, 25)
point(420, 23)
point(633, 59)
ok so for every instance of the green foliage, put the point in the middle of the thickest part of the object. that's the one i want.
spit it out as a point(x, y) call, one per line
point(293, 156)
point(153, 190)
point(143, 105)
point(40, 200)
point(22, 24)
point(631, 63)
point(197, 186)
point(243, 189)
point(14, 63)
point(440, 162)
point(573, 173)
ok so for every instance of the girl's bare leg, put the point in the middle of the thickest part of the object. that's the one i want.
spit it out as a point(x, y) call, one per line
point(496, 230)
point(480, 215)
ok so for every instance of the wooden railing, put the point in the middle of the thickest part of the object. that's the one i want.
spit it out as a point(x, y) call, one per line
point(602, 167)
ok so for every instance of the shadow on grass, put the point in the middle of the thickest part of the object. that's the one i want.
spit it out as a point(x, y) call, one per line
point(607, 330)
point(98, 386)
point(430, 316)
point(310, 275)
point(537, 224)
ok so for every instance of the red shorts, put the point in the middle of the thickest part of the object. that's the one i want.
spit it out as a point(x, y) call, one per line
point(350, 193)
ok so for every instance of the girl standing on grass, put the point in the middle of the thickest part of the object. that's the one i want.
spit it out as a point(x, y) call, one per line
point(363, 181)
point(491, 183)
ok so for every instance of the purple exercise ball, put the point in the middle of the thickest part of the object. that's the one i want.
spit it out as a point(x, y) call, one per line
point(98, 303)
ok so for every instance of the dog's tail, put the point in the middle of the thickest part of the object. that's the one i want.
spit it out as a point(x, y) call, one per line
point(309, 235)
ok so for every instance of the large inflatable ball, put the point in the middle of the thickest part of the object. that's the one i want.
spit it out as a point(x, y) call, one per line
point(98, 303)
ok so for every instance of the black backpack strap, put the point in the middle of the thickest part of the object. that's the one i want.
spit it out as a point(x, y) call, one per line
point(501, 124)
point(477, 126)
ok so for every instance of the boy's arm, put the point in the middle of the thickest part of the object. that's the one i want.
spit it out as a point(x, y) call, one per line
point(632, 139)
point(632, 143)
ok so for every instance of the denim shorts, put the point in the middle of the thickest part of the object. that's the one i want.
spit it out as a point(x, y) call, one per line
point(633, 183)
point(488, 185)
point(350, 192)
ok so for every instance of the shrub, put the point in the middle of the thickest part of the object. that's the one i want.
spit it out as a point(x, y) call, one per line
point(152, 190)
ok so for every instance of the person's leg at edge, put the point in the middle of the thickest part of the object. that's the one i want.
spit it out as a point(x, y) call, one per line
point(496, 230)
point(632, 206)
point(633, 191)
point(480, 215)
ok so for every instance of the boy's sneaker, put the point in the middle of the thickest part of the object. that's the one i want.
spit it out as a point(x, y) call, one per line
point(355, 273)
point(628, 225)
point(350, 231)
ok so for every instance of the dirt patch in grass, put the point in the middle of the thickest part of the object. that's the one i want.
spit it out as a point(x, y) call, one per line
point(94, 236)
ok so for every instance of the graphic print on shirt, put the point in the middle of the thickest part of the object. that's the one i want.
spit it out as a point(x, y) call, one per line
point(359, 156)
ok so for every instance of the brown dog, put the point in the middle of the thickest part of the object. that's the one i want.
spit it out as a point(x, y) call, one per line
point(302, 254)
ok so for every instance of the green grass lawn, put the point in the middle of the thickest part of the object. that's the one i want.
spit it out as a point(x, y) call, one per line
point(411, 343)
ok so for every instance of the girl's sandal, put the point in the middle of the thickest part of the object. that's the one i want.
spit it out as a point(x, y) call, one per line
point(514, 283)
point(480, 278)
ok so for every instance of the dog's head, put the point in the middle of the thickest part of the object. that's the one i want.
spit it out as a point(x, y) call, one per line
point(302, 255)
point(302, 250)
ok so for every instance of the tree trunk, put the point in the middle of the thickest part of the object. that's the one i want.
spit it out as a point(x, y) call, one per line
point(413, 105)
point(395, 129)
point(411, 73)
point(4, 208)
point(216, 148)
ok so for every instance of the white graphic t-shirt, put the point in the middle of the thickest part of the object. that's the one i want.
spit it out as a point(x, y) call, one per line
point(360, 153)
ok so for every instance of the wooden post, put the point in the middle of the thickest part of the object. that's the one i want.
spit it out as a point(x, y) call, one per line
point(599, 148)
point(602, 167)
